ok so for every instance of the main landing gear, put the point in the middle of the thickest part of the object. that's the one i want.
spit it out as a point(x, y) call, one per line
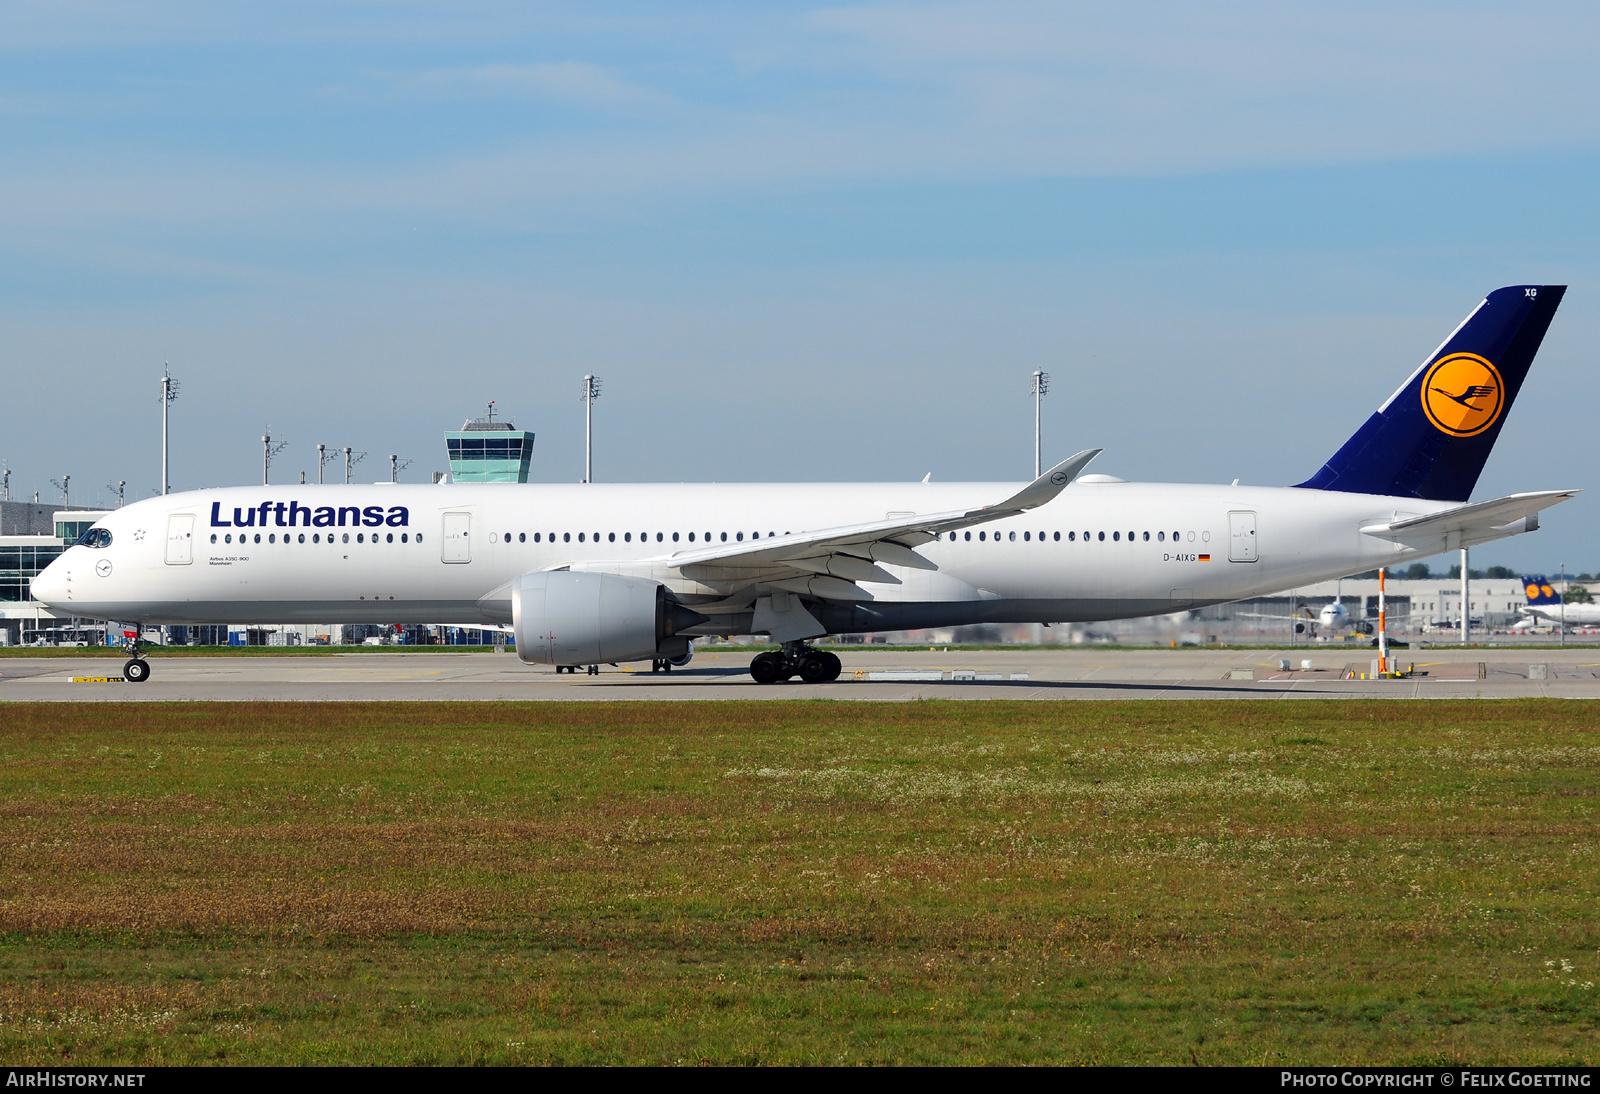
point(136, 670)
point(813, 666)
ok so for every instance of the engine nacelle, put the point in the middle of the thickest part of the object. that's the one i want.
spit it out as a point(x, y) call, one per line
point(564, 618)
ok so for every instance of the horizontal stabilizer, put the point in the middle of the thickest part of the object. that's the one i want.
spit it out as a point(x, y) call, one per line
point(1469, 525)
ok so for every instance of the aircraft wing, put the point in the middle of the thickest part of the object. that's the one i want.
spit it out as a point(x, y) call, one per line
point(827, 562)
point(1307, 617)
point(1468, 525)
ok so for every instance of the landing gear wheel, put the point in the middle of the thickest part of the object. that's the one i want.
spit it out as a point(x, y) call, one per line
point(136, 671)
point(835, 666)
point(767, 668)
point(815, 669)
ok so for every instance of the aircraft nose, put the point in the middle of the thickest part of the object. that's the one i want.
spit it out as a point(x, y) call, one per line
point(49, 586)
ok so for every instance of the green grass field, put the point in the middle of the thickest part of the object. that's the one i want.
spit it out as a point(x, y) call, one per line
point(782, 882)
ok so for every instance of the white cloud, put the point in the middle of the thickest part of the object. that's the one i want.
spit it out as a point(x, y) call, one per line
point(1106, 89)
point(575, 82)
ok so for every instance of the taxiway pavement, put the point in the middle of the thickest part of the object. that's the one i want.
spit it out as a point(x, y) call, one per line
point(881, 675)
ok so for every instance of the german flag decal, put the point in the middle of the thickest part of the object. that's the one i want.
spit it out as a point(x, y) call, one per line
point(1205, 558)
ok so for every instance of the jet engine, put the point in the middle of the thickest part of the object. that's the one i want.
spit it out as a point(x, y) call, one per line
point(564, 618)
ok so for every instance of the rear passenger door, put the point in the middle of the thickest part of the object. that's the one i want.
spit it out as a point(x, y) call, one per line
point(1242, 537)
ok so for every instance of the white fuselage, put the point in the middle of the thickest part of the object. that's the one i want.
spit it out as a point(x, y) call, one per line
point(381, 554)
point(1576, 615)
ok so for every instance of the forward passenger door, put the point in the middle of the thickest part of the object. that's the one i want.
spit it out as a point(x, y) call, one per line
point(457, 545)
point(180, 539)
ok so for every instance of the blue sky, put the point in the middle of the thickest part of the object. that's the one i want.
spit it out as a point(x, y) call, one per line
point(797, 242)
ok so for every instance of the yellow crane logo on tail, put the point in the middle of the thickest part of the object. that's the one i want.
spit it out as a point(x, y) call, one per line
point(1463, 394)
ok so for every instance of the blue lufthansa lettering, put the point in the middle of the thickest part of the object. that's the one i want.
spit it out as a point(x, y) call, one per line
point(294, 515)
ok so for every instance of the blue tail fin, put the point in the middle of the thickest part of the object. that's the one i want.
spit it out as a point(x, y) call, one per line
point(1540, 593)
point(1433, 436)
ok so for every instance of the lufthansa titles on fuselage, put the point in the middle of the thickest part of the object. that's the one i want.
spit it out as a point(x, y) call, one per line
point(288, 515)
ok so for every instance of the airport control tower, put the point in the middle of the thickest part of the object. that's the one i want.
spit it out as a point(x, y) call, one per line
point(486, 450)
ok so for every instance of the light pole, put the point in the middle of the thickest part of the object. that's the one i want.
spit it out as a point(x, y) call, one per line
point(8, 484)
point(269, 450)
point(61, 484)
point(1563, 605)
point(350, 462)
point(120, 488)
point(169, 392)
point(322, 461)
point(396, 465)
point(1466, 615)
point(1041, 387)
point(591, 392)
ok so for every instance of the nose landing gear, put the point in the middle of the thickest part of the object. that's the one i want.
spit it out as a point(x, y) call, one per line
point(813, 666)
point(136, 670)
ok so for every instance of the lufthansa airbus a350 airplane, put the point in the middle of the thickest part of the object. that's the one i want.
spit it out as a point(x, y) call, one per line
point(591, 574)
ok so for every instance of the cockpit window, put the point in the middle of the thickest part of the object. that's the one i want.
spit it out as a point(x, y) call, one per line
point(94, 537)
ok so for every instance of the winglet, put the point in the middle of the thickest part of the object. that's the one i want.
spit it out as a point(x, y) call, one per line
point(1049, 484)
